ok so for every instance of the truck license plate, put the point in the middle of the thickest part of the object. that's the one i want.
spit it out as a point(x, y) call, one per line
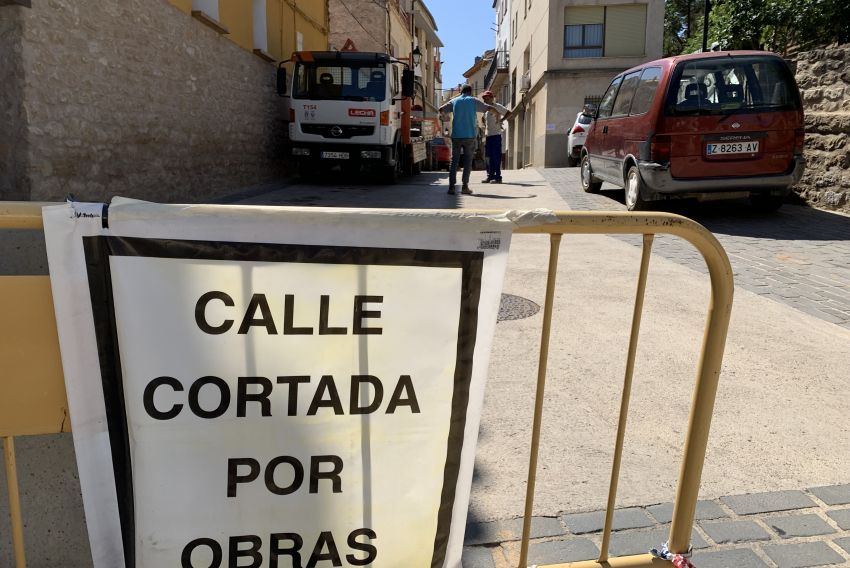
point(335, 155)
point(732, 148)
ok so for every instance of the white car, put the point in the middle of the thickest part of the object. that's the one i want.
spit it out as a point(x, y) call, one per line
point(578, 133)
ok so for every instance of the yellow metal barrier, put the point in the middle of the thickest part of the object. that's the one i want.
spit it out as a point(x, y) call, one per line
point(33, 393)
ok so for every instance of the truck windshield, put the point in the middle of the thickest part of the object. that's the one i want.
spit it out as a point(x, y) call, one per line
point(344, 82)
point(731, 85)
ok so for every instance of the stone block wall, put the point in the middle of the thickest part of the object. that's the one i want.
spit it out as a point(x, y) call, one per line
point(135, 98)
point(13, 182)
point(823, 76)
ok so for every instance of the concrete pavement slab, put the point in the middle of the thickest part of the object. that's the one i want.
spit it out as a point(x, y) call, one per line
point(833, 494)
point(803, 555)
point(706, 510)
point(737, 557)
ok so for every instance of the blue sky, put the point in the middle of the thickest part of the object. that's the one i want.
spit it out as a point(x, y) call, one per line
point(464, 26)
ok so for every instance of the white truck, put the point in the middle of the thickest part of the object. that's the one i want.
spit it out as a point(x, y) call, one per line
point(353, 109)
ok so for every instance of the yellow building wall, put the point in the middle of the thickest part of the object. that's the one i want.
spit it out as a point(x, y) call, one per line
point(284, 20)
point(238, 17)
point(183, 5)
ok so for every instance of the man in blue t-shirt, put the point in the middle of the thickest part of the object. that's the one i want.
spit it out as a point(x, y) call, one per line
point(464, 109)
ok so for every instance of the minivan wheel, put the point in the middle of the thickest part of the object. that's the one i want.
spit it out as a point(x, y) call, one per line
point(588, 182)
point(634, 187)
point(572, 161)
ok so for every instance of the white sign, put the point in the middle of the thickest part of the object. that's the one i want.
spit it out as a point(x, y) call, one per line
point(256, 386)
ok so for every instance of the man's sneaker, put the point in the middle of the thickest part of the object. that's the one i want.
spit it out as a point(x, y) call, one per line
point(465, 189)
point(451, 190)
point(485, 180)
point(496, 181)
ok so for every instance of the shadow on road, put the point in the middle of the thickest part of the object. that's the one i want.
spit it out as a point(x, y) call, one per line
point(793, 221)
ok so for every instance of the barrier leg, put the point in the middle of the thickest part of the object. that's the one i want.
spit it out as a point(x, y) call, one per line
point(554, 245)
point(14, 502)
point(627, 391)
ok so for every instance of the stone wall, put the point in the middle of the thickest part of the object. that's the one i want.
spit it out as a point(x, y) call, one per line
point(823, 76)
point(13, 142)
point(135, 98)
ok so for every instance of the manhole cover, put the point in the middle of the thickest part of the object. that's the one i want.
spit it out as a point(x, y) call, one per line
point(516, 307)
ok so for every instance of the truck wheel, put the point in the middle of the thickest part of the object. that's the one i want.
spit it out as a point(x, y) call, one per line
point(393, 173)
point(588, 183)
point(634, 187)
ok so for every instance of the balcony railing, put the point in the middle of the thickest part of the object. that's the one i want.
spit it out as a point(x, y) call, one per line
point(499, 64)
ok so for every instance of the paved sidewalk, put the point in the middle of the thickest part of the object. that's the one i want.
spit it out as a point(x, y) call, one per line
point(780, 529)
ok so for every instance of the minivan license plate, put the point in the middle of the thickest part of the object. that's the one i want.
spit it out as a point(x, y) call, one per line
point(732, 148)
point(335, 155)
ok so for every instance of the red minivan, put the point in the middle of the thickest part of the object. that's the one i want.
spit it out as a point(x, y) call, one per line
point(715, 125)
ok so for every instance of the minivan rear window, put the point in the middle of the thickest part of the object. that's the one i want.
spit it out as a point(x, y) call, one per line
point(732, 84)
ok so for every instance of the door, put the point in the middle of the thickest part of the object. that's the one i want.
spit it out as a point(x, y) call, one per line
point(733, 116)
point(618, 125)
point(597, 139)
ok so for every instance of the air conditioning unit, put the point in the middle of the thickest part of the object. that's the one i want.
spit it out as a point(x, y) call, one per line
point(525, 82)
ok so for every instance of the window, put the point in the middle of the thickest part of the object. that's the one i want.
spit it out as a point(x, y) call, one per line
point(731, 85)
point(627, 91)
point(605, 31)
point(584, 28)
point(583, 40)
point(340, 82)
point(645, 93)
point(608, 99)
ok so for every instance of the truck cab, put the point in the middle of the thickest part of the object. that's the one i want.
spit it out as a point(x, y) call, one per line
point(352, 109)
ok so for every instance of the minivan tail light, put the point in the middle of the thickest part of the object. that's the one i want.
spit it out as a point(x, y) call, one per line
point(799, 140)
point(385, 118)
point(291, 115)
point(577, 129)
point(660, 149)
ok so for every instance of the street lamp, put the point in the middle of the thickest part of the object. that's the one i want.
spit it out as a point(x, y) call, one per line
point(417, 56)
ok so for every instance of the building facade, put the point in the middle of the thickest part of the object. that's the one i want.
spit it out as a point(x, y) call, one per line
point(397, 27)
point(170, 101)
point(563, 54)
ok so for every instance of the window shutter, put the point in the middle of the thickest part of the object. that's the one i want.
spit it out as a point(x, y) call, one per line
point(577, 15)
point(625, 30)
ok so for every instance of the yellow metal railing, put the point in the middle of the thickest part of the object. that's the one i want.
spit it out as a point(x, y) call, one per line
point(33, 393)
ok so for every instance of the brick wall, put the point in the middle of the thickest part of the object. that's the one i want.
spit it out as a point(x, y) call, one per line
point(823, 76)
point(135, 98)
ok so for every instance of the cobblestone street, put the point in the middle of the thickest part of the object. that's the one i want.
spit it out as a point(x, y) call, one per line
point(797, 256)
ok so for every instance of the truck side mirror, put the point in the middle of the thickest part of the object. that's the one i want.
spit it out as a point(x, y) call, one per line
point(281, 80)
point(407, 83)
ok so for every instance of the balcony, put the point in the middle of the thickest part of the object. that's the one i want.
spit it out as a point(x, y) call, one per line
point(499, 64)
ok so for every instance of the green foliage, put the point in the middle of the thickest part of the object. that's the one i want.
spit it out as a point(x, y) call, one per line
point(774, 25)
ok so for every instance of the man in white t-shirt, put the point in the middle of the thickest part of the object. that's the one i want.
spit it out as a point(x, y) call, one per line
point(493, 138)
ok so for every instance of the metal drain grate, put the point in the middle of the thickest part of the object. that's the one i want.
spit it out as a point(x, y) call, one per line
point(516, 307)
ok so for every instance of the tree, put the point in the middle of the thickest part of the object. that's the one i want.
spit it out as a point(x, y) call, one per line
point(774, 25)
